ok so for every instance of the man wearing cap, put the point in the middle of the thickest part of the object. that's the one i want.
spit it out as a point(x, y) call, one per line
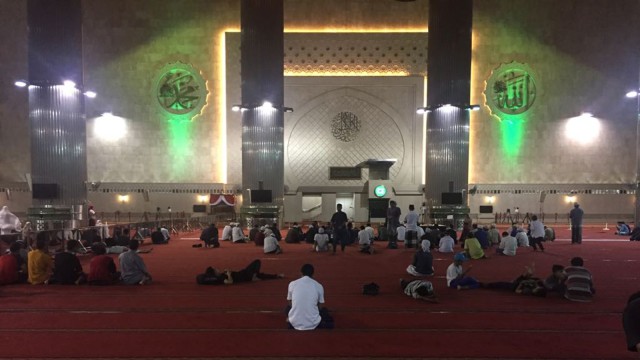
point(270, 243)
point(456, 275)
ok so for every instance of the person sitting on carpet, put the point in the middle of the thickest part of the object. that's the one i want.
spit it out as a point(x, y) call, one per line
point(40, 263)
point(132, 267)
point(521, 236)
point(237, 236)
point(259, 240)
point(102, 268)
point(446, 243)
point(321, 240)
point(293, 235)
point(422, 264)
point(271, 245)
point(555, 282)
point(456, 278)
point(473, 249)
point(305, 296)
point(165, 233)
point(631, 322)
point(622, 229)
point(254, 232)
point(209, 236)
point(579, 283)
point(226, 232)
point(549, 234)
point(525, 284)
point(157, 237)
point(364, 241)
point(419, 289)
point(12, 266)
point(213, 276)
point(312, 230)
point(66, 266)
point(508, 245)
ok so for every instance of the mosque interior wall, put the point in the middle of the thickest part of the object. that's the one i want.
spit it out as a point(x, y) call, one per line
point(576, 68)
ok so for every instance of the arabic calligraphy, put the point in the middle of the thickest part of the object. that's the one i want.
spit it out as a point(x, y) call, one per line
point(511, 90)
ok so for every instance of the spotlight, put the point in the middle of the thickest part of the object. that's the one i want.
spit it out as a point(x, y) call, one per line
point(420, 111)
point(287, 109)
point(235, 108)
point(632, 94)
point(69, 84)
point(586, 114)
point(20, 83)
point(90, 94)
point(267, 105)
point(475, 108)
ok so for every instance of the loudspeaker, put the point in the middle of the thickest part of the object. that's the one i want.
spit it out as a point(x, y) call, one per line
point(542, 196)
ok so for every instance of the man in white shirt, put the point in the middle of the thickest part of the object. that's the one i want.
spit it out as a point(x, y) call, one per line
point(305, 296)
point(537, 233)
point(401, 232)
point(226, 232)
point(411, 221)
point(364, 241)
point(270, 243)
point(446, 244)
point(521, 236)
point(237, 236)
point(369, 229)
point(508, 245)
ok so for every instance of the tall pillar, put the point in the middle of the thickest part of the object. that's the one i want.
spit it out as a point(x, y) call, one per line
point(449, 70)
point(262, 71)
point(56, 112)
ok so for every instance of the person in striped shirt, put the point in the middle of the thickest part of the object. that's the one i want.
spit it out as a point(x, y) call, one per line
point(578, 283)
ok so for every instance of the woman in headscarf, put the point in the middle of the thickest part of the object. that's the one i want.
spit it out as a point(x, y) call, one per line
point(422, 261)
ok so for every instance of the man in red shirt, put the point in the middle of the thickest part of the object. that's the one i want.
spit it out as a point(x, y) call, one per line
point(102, 268)
point(12, 266)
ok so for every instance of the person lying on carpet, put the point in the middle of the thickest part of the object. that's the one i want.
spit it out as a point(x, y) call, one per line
point(305, 297)
point(213, 276)
point(66, 266)
point(422, 264)
point(39, 262)
point(631, 322)
point(102, 269)
point(419, 289)
point(456, 276)
point(132, 267)
point(525, 284)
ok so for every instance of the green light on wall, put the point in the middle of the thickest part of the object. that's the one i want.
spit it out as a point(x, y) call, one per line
point(180, 144)
point(512, 133)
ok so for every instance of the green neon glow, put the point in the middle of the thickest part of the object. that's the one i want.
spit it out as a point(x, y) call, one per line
point(380, 191)
point(512, 131)
point(180, 144)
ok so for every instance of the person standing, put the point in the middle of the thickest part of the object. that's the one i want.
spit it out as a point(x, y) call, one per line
point(339, 223)
point(576, 215)
point(411, 221)
point(305, 296)
point(537, 233)
point(393, 221)
point(92, 216)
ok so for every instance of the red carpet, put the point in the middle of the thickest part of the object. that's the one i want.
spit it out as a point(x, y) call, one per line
point(174, 317)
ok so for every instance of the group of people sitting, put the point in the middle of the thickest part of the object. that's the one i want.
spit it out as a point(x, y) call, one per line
point(38, 266)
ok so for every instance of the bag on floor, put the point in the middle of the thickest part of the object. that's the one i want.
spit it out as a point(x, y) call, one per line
point(370, 289)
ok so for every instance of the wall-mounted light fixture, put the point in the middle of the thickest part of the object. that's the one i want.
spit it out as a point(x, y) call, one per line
point(123, 198)
point(447, 107)
point(266, 106)
point(203, 198)
point(570, 199)
point(489, 199)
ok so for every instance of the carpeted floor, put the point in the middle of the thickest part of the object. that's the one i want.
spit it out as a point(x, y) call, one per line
point(175, 318)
